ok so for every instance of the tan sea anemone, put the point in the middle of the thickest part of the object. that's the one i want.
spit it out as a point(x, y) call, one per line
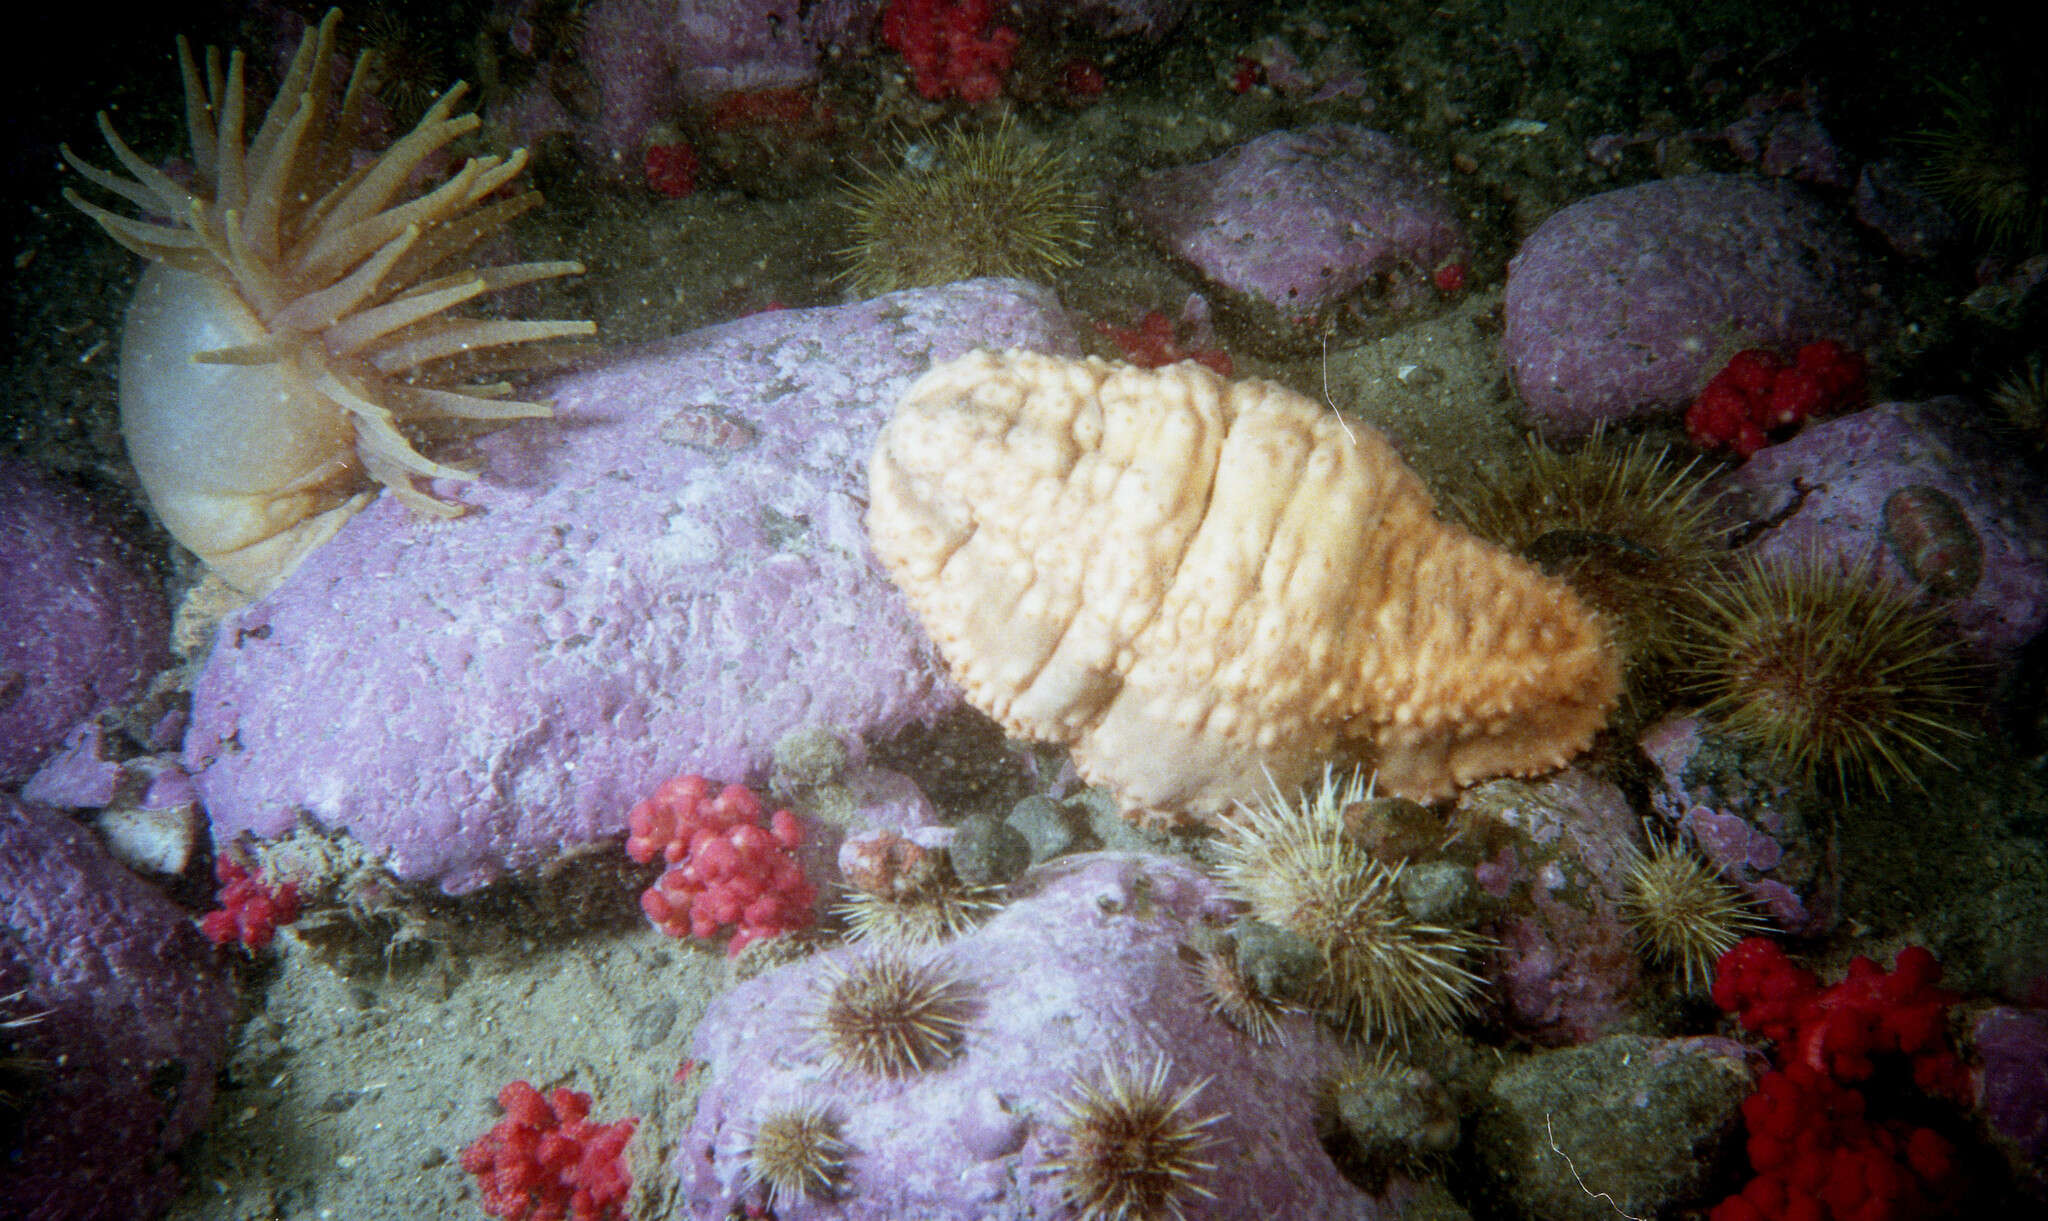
point(294, 326)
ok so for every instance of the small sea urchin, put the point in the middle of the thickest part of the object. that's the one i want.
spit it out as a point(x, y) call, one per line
point(1986, 158)
point(1828, 670)
point(925, 915)
point(1682, 912)
point(796, 1154)
point(2021, 398)
point(1294, 866)
point(887, 1016)
point(1133, 1147)
point(1625, 524)
point(1233, 998)
point(993, 204)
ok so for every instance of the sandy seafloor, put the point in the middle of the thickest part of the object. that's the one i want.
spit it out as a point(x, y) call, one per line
point(369, 1055)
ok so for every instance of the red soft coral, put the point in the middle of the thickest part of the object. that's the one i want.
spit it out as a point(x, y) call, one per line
point(1817, 1155)
point(1759, 392)
point(724, 867)
point(1819, 1158)
point(1156, 342)
point(1756, 982)
point(950, 47)
point(250, 911)
point(545, 1160)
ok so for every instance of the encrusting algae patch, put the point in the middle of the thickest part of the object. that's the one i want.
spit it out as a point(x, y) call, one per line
point(1208, 588)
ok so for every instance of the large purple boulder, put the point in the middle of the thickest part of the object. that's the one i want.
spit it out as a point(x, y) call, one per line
point(2012, 1089)
point(1935, 505)
point(1296, 224)
point(1080, 977)
point(667, 577)
point(128, 1019)
point(1625, 304)
point(82, 624)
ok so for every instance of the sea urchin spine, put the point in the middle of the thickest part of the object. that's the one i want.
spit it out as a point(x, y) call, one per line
point(1682, 912)
point(889, 1017)
point(1133, 1147)
point(993, 205)
point(796, 1154)
point(1294, 866)
point(1828, 670)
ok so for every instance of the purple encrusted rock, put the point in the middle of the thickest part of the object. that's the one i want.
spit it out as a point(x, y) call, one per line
point(1935, 505)
point(1080, 976)
point(1300, 223)
point(112, 992)
point(1557, 861)
point(86, 625)
point(1910, 218)
point(2012, 1090)
point(667, 577)
point(1755, 833)
point(1625, 304)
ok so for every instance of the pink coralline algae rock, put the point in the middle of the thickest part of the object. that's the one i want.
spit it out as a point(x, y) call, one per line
point(667, 577)
point(650, 59)
point(1754, 832)
point(1302, 222)
point(85, 624)
point(1558, 860)
point(1625, 304)
point(2012, 1086)
point(1938, 507)
point(134, 1021)
point(1080, 976)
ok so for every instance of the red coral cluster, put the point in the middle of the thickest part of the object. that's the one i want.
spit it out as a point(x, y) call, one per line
point(671, 168)
point(545, 1160)
point(1817, 1154)
point(1758, 392)
point(1155, 342)
point(725, 868)
point(250, 912)
point(950, 47)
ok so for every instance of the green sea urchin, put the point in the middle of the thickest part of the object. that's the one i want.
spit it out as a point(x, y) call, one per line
point(993, 204)
point(926, 915)
point(1295, 867)
point(1682, 912)
point(1625, 524)
point(1133, 1148)
point(2021, 398)
point(1827, 670)
point(795, 1154)
point(1233, 998)
point(887, 1016)
point(1988, 158)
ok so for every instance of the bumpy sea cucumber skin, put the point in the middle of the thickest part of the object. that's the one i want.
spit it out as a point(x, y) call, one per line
point(1081, 973)
point(635, 595)
point(1624, 304)
point(1205, 587)
point(135, 1021)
